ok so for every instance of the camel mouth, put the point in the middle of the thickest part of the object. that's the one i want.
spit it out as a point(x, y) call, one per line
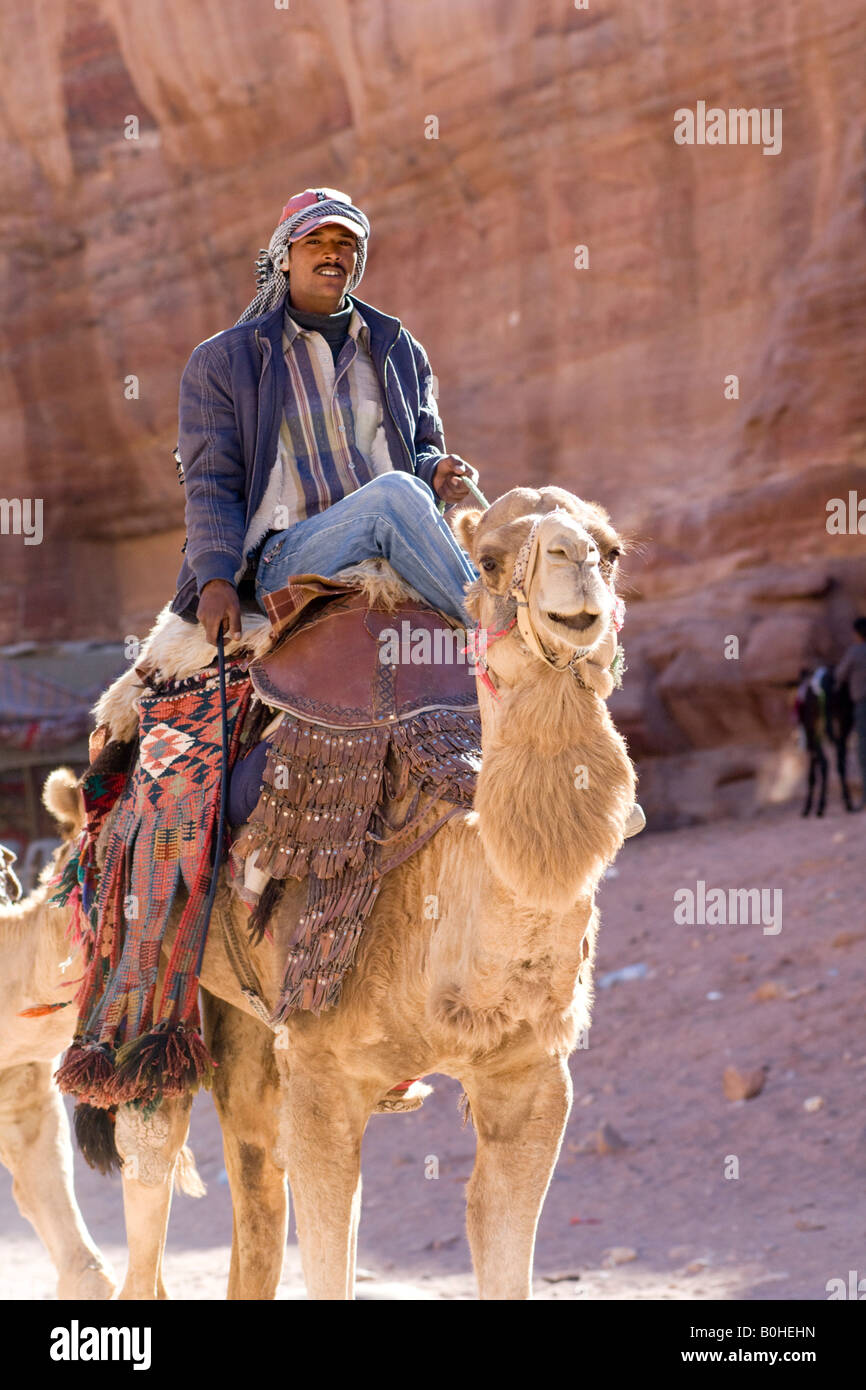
point(575, 622)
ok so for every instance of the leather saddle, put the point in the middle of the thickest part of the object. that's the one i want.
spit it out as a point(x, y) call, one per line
point(340, 661)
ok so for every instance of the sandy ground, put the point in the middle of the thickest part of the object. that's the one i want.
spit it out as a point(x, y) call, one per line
point(795, 1216)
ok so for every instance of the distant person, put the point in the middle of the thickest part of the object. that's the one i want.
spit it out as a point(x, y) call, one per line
point(822, 708)
point(810, 713)
point(840, 722)
point(851, 670)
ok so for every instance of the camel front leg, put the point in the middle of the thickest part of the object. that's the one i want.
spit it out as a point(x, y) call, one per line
point(325, 1117)
point(247, 1095)
point(149, 1143)
point(520, 1120)
point(35, 1146)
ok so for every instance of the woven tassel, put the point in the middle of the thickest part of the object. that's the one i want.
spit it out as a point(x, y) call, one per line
point(264, 909)
point(164, 1062)
point(320, 789)
point(40, 1010)
point(94, 1135)
point(66, 883)
point(321, 816)
point(87, 1071)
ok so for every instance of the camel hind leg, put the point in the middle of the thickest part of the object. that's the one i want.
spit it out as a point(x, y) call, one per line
point(519, 1120)
point(247, 1096)
point(35, 1146)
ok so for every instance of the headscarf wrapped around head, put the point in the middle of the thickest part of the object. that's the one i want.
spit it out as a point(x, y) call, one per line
point(303, 212)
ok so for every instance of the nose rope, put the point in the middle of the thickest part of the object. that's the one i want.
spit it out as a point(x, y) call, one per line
point(479, 639)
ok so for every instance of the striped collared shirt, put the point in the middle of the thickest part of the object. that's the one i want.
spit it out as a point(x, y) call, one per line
point(332, 437)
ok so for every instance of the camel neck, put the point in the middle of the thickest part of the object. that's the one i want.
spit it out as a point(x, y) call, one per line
point(554, 792)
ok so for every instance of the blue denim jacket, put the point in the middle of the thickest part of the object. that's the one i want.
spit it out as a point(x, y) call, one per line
point(231, 403)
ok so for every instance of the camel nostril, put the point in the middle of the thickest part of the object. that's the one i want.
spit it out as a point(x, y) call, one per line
point(573, 554)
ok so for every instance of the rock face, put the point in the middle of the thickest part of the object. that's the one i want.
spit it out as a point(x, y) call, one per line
point(554, 129)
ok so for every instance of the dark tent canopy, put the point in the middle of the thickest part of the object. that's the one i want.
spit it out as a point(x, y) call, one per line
point(46, 694)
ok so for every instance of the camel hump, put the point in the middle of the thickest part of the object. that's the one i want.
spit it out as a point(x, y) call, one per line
point(61, 795)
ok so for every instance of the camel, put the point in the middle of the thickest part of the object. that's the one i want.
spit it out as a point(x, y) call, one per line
point(39, 966)
point(477, 958)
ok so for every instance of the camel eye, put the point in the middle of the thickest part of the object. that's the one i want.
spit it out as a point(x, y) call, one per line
point(614, 553)
point(487, 563)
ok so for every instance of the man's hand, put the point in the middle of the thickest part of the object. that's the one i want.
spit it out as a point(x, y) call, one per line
point(219, 608)
point(446, 479)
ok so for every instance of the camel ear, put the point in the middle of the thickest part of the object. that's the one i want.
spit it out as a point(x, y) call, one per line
point(464, 525)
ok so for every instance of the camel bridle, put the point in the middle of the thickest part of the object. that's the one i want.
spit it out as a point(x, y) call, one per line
point(522, 574)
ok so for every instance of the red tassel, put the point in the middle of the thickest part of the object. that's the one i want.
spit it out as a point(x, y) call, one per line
point(87, 1072)
point(40, 1010)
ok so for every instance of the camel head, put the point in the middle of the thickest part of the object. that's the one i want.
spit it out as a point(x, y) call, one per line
point(561, 553)
point(556, 784)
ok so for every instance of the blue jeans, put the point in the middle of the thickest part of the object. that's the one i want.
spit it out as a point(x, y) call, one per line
point(393, 515)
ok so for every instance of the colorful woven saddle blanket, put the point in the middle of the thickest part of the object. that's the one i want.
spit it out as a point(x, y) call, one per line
point(139, 1038)
point(379, 746)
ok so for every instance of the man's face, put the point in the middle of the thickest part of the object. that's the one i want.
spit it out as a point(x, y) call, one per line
point(320, 265)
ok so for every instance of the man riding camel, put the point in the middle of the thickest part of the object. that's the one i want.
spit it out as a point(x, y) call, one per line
point(310, 439)
point(309, 435)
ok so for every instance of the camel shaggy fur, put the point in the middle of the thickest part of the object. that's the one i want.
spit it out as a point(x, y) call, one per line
point(39, 967)
point(476, 961)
